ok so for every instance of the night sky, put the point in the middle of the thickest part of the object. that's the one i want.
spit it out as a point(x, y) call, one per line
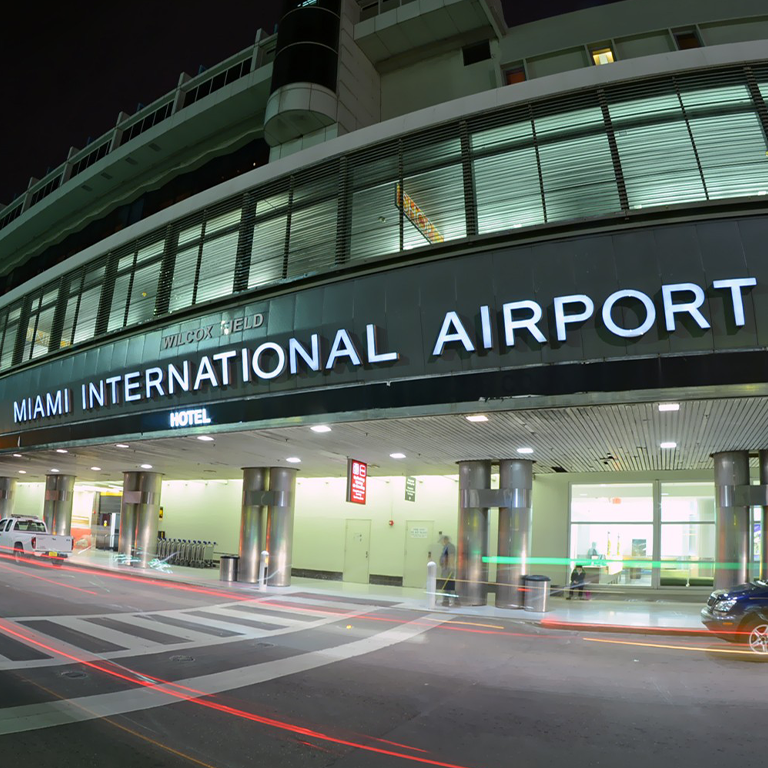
point(70, 69)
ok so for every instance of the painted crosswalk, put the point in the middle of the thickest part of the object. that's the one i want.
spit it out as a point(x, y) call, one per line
point(120, 635)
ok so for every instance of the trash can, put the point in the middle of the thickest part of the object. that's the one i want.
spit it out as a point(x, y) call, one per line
point(536, 593)
point(228, 567)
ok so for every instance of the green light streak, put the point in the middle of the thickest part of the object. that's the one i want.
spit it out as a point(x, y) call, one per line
point(603, 562)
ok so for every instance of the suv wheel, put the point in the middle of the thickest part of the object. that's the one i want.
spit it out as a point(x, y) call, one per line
point(758, 638)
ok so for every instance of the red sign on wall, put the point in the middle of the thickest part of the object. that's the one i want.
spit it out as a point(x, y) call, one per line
point(357, 481)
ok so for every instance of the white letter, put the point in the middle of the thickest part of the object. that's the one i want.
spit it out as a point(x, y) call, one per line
point(174, 419)
point(628, 333)
point(278, 369)
point(452, 330)
point(561, 319)
point(529, 323)
point(692, 307)
point(20, 414)
point(312, 360)
point(113, 381)
point(246, 365)
point(205, 372)
point(174, 375)
point(224, 358)
point(38, 407)
point(348, 350)
point(53, 405)
point(736, 284)
point(95, 395)
point(82, 390)
point(153, 378)
point(374, 356)
point(129, 380)
point(485, 322)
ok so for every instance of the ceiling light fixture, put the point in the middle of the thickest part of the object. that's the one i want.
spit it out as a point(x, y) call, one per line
point(668, 445)
point(294, 460)
point(669, 407)
point(62, 450)
point(206, 438)
point(122, 445)
point(54, 470)
point(22, 471)
point(321, 428)
point(96, 469)
point(17, 455)
point(477, 417)
point(146, 466)
point(396, 455)
point(525, 450)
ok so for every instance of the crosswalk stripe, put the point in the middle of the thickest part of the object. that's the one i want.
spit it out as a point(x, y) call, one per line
point(225, 620)
point(135, 630)
point(195, 626)
point(83, 640)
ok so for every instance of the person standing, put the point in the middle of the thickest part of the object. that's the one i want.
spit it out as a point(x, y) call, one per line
point(448, 572)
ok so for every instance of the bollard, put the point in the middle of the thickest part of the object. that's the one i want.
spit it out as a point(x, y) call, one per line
point(431, 584)
point(263, 567)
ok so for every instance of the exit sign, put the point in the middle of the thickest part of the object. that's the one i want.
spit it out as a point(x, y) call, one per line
point(357, 481)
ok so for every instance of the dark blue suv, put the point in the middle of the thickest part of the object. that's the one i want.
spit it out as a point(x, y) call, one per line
point(740, 614)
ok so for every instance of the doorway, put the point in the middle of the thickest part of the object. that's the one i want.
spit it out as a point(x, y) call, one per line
point(356, 551)
point(419, 545)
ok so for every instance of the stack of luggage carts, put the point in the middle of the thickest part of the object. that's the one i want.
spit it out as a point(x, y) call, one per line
point(194, 554)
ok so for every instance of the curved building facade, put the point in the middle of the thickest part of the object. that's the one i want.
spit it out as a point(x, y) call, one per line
point(553, 233)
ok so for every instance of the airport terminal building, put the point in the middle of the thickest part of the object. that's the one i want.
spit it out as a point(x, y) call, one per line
point(400, 271)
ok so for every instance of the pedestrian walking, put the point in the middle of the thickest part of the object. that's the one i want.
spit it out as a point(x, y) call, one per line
point(448, 573)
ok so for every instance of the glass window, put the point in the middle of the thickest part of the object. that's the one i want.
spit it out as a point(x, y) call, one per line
point(612, 532)
point(312, 242)
point(141, 307)
point(87, 312)
point(223, 221)
point(602, 56)
point(579, 178)
point(190, 233)
point(268, 252)
point(42, 339)
point(183, 285)
point(514, 75)
point(562, 123)
point(9, 337)
point(508, 191)
point(421, 153)
point(217, 266)
point(496, 138)
point(375, 222)
point(435, 210)
point(686, 39)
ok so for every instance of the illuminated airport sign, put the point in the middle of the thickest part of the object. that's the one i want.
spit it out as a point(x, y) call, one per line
point(191, 417)
point(417, 217)
point(357, 481)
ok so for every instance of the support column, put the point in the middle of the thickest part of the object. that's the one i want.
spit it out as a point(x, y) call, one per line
point(516, 485)
point(255, 480)
point(282, 486)
point(57, 507)
point(732, 521)
point(764, 521)
point(472, 581)
point(139, 514)
point(7, 495)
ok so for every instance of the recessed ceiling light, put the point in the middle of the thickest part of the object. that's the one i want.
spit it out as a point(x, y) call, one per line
point(17, 455)
point(321, 428)
point(294, 460)
point(54, 470)
point(62, 450)
point(669, 406)
point(22, 471)
point(525, 450)
point(146, 466)
point(668, 445)
point(396, 455)
point(122, 445)
point(206, 438)
point(477, 417)
point(96, 469)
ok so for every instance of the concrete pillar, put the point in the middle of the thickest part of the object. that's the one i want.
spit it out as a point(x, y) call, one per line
point(472, 572)
point(255, 480)
point(516, 482)
point(764, 522)
point(282, 484)
point(57, 507)
point(139, 514)
point(732, 522)
point(7, 494)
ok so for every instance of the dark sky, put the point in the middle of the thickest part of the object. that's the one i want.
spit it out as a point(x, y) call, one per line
point(71, 68)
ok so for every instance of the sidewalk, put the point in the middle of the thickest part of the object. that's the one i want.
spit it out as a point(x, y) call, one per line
point(660, 617)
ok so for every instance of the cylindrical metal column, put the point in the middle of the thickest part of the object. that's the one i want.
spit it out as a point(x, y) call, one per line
point(472, 581)
point(516, 480)
point(732, 522)
point(764, 520)
point(57, 507)
point(255, 481)
point(7, 494)
point(139, 514)
point(282, 484)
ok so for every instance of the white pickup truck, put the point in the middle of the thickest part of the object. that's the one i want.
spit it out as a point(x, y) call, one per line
point(24, 537)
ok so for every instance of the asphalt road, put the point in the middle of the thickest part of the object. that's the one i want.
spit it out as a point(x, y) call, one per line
point(100, 671)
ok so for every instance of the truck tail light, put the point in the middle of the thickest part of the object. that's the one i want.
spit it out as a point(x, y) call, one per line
point(34, 542)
